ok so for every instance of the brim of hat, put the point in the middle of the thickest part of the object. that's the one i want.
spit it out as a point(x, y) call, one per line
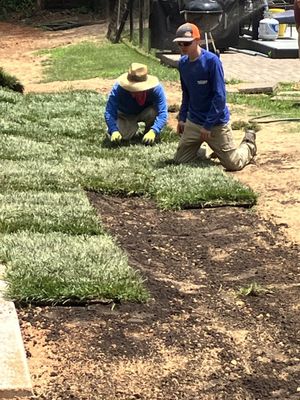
point(150, 83)
point(184, 39)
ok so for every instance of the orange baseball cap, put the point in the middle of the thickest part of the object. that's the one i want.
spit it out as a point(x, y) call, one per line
point(187, 33)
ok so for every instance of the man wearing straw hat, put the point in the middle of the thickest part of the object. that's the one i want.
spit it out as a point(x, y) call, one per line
point(136, 97)
point(204, 115)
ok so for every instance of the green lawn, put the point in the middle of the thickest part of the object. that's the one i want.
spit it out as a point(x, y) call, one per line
point(52, 146)
point(104, 59)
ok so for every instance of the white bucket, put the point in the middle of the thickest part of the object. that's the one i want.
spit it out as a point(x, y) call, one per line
point(268, 29)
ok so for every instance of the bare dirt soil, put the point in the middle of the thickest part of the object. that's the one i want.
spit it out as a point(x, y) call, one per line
point(195, 339)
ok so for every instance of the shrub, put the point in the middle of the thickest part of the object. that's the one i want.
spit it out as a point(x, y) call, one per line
point(10, 81)
point(17, 5)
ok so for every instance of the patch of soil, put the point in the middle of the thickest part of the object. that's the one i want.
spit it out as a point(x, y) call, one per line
point(195, 339)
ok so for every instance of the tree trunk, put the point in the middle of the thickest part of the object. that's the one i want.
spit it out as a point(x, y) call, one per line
point(115, 13)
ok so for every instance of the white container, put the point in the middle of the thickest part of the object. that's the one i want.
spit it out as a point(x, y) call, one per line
point(268, 29)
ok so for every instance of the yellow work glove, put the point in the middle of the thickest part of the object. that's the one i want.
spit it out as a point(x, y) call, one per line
point(116, 137)
point(149, 137)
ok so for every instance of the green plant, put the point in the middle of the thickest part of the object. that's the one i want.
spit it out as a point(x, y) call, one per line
point(253, 289)
point(233, 81)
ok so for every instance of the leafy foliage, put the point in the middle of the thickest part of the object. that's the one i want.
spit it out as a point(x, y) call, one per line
point(17, 5)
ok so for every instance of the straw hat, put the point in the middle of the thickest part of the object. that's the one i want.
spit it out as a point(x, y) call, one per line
point(137, 79)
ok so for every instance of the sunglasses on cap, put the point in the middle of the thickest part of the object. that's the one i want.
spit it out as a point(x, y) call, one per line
point(184, 44)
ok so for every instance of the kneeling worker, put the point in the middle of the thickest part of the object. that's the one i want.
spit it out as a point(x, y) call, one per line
point(204, 115)
point(136, 97)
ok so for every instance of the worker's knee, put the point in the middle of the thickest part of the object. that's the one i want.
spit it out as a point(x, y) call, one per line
point(232, 164)
point(186, 153)
point(183, 158)
point(233, 167)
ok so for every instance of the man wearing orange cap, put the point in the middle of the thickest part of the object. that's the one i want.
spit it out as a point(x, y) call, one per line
point(204, 115)
point(136, 97)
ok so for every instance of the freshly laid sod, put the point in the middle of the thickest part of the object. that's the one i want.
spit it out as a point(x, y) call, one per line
point(67, 212)
point(180, 186)
point(58, 267)
point(67, 149)
point(51, 148)
point(36, 175)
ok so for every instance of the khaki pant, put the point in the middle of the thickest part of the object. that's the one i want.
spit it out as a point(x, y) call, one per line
point(221, 141)
point(128, 124)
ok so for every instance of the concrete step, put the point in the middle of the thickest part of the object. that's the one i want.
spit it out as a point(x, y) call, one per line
point(256, 88)
point(14, 373)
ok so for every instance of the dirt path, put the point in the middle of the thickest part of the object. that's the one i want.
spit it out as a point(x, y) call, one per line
point(195, 339)
point(19, 42)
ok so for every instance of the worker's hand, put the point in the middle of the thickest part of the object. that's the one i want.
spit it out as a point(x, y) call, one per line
point(149, 137)
point(180, 127)
point(116, 137)
point(204, 135)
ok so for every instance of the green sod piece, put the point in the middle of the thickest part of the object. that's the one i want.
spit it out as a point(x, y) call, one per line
point(57, 268)
point(67, 212)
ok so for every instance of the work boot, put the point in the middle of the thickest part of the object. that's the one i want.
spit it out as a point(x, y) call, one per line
point(250, 137)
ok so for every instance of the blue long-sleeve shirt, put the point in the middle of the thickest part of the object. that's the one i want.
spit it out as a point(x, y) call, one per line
point(120, 100)
point(203, 90)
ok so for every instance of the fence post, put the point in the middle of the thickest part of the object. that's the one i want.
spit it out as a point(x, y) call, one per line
point(131, 5)
point(148, 8)
point(128, 5)
point(141, 23)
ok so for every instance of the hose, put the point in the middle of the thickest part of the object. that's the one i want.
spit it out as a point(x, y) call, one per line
point(269, 121)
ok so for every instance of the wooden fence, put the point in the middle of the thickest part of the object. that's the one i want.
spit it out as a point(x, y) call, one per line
point(120, 14)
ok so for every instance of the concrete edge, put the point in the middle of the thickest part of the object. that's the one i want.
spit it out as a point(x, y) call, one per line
point(15, 378)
